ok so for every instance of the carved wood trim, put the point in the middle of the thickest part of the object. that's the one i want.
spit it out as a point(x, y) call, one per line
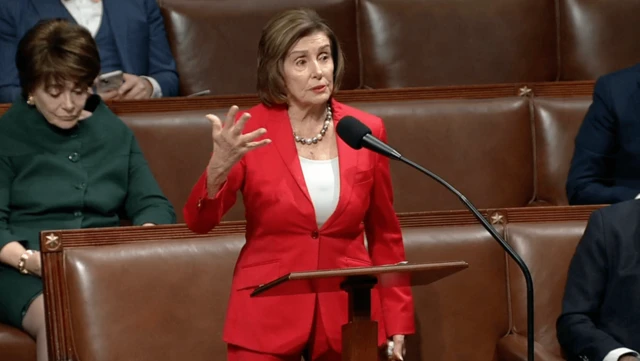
point(546, 89)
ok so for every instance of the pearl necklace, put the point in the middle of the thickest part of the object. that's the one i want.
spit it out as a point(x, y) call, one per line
point(319, 136)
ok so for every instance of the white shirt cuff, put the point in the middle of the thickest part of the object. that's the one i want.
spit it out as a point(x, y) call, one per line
point(638, 196)
point(614, 355)
point(157, 91)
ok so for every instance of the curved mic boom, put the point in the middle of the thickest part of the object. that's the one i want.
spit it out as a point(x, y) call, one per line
point(357, 136)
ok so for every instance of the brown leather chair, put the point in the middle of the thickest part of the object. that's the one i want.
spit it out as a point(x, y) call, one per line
point(556, 122)
point(597, 37)
point(410, 43)
point(547, 249)
point(461, 317)
point(482, 147)
point(177, 146)
point(155, 299)
point(215, 42)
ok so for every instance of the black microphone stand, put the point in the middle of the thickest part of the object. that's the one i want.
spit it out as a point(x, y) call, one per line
point(497, 237)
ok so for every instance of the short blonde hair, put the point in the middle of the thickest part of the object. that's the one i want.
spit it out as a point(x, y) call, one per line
point(278, 36)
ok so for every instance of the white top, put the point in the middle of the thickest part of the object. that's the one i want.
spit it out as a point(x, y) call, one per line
point(88, 14)
point(323, 182)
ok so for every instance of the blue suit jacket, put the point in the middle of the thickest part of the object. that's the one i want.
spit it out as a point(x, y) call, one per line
point(137, 26)
point(600, 306)
point(606, 163)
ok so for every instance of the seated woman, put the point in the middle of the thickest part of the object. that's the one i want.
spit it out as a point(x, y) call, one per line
point(62, 167)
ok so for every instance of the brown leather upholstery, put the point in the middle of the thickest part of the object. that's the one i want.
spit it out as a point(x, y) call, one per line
point(597, 37)
point(547, 249)
point(173, 294)
point(456, 318)
point(413, 43)
point(215, 42)
point(482, 147)
point(177, 146)
point(408, 43)
point(16, 345)
point(169, 301)
point(556, 123)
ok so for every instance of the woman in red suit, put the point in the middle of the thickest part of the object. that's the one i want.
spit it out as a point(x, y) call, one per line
point(309, 201)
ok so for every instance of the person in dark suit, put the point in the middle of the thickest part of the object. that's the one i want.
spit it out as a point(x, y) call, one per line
point(309, 198)
point(66, 162)
point(605, 168)
point(130, 35)
point(600, 319)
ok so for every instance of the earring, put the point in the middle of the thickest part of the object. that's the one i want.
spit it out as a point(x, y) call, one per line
point(30, 100)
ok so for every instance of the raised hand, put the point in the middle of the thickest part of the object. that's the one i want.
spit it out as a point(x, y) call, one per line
point(230, 145)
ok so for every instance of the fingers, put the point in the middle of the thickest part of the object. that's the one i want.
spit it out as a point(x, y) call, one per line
point(126, 86)
point(137, 91)
point(249, 137)
point(239, 126)
point(109, 95)
point(261, 143)
point(231, 116)
point(216, 123)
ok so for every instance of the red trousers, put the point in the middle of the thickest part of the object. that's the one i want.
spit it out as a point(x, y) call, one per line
point(317, 349)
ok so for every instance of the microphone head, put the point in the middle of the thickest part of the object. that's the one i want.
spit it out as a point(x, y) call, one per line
point(352, 131)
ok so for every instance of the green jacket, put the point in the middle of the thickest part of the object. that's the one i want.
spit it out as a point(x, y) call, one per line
point(89, 176)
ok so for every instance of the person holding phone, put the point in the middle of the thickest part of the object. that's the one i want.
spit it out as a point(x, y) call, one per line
point(139, 49)
point(66, 162)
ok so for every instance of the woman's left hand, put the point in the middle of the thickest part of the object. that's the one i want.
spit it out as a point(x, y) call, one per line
point(399, 348)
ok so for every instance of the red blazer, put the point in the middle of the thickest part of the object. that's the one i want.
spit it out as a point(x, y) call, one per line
point(282, 236)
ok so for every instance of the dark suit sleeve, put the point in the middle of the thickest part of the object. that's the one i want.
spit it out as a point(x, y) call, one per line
point(9, 82)
point(590, 178)
point(584, 292)
point(145, 202)
point(162, 66)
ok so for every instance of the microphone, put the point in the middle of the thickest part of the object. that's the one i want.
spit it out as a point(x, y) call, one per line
point(357, 136)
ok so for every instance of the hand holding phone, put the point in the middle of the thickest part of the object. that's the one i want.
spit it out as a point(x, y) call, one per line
point(109, 81)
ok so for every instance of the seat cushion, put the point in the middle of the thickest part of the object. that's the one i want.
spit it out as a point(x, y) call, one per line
point(15, 345)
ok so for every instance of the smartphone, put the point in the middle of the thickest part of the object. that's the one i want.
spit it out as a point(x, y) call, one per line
point(109, 81)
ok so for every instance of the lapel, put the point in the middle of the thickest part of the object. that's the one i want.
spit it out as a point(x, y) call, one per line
point(113, 10)
point(348, 162)
point(281, 134)
point(48, 9)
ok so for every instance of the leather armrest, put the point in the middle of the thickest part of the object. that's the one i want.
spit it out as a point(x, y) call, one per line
point(514, 348)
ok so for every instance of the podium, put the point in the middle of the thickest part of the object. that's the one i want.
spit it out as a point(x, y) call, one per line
point(360, 333)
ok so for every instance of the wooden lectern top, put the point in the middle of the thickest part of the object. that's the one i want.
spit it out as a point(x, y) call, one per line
point(396, 275)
